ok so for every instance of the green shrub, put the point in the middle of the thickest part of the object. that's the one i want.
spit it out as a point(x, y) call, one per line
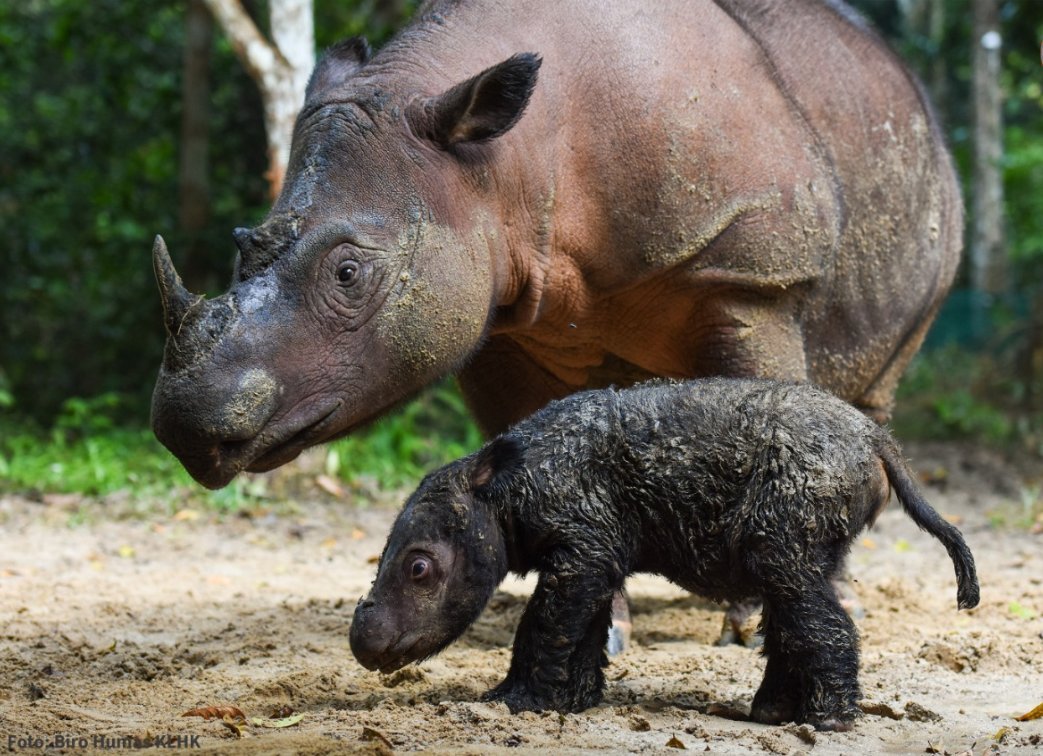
point(398, 450)
point(955, 393)
point(90, 451)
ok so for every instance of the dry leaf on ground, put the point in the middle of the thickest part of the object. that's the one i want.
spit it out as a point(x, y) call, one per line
point(216, 712)
point(330, 486)
point(1036, 713)
point(289, 721)
point(368, 733)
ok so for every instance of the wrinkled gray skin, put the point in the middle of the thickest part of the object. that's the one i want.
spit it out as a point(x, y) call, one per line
point(730, 488)
point(682, 188)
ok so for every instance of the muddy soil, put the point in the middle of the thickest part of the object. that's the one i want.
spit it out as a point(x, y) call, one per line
point(114, 626)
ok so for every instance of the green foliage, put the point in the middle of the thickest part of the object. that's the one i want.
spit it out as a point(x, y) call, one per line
point(375, 20)
point(6, 397)
point(431, 430)
point(88, 129)
point(86, 451)
point(954, 392)
point(89, 452)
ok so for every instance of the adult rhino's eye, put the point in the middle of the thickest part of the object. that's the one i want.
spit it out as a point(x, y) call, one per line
point(348, 272)
point(420, 568)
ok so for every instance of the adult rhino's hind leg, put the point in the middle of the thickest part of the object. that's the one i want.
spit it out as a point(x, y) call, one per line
point(754, 334)
point(503, 385)
point(878, 399)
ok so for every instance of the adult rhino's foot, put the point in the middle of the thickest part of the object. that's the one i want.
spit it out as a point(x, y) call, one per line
point(737, 628)
point(621, 628)
point(847, 597)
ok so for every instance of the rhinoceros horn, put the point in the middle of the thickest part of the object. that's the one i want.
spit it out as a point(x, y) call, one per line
point(177, 300)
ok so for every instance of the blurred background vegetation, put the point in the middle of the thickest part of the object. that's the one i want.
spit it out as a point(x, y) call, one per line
point(91, 101)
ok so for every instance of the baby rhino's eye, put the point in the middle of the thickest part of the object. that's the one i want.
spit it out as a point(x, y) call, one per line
point(420, 568)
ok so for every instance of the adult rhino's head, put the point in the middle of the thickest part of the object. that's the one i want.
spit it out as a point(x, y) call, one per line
point(371, 276)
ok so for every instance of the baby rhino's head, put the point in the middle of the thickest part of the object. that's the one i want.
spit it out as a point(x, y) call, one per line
point(443, 560)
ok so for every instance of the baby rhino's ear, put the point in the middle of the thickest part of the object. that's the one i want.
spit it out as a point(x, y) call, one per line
point(495, 461)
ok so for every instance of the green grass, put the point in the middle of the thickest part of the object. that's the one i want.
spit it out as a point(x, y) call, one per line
point(93, 465)
point(89, 452)
point(1025, 513)
point(398, 450)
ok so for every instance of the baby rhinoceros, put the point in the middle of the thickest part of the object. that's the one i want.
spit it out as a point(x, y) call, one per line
point(732, 489)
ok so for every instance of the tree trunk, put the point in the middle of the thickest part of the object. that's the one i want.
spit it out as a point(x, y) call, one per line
point(279, 67)
point(926, 19)
point(194, 165)
point(988, 252)
point(293, 33)
point(939, 66)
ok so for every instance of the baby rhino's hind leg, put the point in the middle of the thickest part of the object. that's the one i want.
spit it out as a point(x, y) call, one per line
point(812, 672)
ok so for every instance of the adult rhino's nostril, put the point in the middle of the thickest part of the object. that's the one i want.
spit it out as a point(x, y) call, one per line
point(251, 406)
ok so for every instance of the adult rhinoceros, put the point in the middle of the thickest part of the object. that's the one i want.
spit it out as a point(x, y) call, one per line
point(550, 195)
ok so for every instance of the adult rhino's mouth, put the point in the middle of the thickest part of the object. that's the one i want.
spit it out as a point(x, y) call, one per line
point(216, 466)
point(272, 450)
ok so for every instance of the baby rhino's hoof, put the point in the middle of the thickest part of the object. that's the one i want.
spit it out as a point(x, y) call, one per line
point(516, 699)
point(520, 697)
point(772, 713)
point(834, 725)
point(778, 712)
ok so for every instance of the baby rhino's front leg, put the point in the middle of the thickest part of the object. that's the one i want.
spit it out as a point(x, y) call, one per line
point(559, 647)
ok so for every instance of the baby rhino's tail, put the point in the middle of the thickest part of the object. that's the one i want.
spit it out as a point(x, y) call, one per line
point(924, 515)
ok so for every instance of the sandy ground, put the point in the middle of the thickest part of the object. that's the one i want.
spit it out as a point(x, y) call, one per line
point(115, 626)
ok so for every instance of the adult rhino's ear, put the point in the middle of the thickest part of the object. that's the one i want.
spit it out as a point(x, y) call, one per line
point(337, 65)
point(495, 461)
point(483, 107)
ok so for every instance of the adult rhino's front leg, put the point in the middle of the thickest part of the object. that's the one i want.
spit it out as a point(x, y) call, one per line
point(503, 385)
point(750, 333)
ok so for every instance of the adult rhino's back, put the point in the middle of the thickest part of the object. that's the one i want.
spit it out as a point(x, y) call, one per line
point(746, 188)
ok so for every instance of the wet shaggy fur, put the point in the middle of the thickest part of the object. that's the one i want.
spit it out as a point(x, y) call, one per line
point(732, 489)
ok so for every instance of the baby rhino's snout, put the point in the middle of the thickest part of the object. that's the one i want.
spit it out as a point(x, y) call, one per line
point(370, 636)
